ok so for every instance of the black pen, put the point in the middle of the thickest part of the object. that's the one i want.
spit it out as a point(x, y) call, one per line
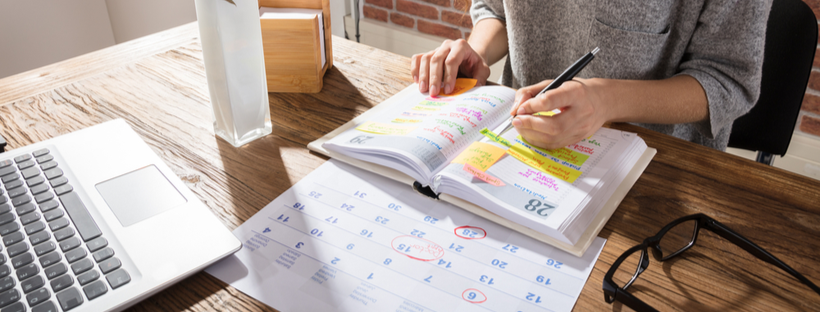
point(568, 74)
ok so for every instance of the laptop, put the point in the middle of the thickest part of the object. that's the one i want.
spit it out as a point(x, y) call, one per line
point(95, 221)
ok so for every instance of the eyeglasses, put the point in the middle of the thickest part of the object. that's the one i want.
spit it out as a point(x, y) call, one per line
point(672, 240)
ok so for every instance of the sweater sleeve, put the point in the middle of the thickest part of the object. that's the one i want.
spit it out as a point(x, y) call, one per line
point(725, 54)
point(482, 9)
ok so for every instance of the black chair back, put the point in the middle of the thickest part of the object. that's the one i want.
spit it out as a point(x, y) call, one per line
point(791, 40)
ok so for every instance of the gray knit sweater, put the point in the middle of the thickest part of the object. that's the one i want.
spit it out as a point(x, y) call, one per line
point(718, 42)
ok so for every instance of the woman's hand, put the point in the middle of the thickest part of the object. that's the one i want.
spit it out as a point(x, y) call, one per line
point(582, 113)
point(436, 71)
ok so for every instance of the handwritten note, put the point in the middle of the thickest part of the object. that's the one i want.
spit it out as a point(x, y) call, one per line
point(462, 85)
point(406, 120)
point(573, 157)
point(344, 239)
point(480, 155)
point(486, 132)
point(382, 128)
point(483, 176)
point(542, 163)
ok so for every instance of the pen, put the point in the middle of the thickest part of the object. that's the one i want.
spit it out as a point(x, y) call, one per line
point(568, 74)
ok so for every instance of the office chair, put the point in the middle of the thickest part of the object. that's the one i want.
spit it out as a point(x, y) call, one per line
point(791, 39)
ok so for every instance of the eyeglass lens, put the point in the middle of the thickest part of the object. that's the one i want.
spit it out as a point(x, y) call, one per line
point(678, 237)
point(626, 272)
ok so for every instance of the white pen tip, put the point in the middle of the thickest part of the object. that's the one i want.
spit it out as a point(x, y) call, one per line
point(595, 51)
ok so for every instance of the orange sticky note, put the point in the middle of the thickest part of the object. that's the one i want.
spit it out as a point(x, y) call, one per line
point(483, 176)
point(462, 85)
point(480, 155)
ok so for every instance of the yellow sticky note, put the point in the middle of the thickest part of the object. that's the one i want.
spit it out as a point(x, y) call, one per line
point(425, 108)
point(462, 85)
point(543, 164)
point(382, 128)
point(406, 120)
point(486, 132)
point(565, 154)
point(480, 155)
point(549, 113)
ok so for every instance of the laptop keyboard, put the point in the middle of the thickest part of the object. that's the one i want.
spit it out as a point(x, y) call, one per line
point(55, 254)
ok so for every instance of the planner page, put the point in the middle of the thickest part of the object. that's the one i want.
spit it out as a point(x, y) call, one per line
point(343, 239)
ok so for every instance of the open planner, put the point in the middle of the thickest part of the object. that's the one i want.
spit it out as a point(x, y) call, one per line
point(448, 149)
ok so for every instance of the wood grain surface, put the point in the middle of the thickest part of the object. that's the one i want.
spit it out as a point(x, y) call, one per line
point(157, 84)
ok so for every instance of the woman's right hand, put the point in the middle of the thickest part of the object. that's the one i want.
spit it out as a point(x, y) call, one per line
point(436, 71)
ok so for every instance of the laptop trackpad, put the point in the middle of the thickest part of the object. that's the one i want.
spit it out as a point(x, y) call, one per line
point(139, 195)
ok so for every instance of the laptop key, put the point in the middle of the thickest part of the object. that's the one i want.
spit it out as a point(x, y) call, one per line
point(63, 234)
point(3, 199)
point(8, 297)
point(97, 243)
point(95, 290)
point(35, 227)
point(38, 180)
point(22, 260)
point(103, 254)
point(30, 172)
point(39, 238)
point(82, 266)
point(48, 165)
point(118, 278)
point(37, 297)
point(27, 164)
point(13, 177)
point(32, 283)
point(58, 181)
point(62, 189)
point(44, 158)
point(38, 189)
point(7, 170)
point(15, 307)
point(24, 209)
point(76, 254)
point(5, 270)
point(29, 217)
point(51, 204)
point(43, 197)
point(17, 191)
point(110, 265)
point(69, 244)
point(70, 298)
point(56, 270)
point(58, 224)
point(9, 228)
point(50, 259)
point(61, 282)
point(7, 217)
point(44, 248)
point(20, 200)
point(17, 249)
point(40, 152)
point(53, 173)
point(4, 207)
point(13, 238)
point(47, 306)
point(79, 214)
point(53, 214)
point(88, 277)
point(7, 283)
point(5, 163)
point(27, 271)
point(22, 158)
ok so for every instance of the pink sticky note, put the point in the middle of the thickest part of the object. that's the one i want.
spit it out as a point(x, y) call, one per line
point(483, 175)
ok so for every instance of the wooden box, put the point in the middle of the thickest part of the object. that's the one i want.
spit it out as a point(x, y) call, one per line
point(293, 60)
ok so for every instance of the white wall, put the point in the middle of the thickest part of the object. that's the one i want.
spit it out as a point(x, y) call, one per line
point(131, 19)
point(34, 33)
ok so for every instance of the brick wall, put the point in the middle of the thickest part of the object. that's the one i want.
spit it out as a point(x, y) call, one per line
point(443, 18)
point(809, 121)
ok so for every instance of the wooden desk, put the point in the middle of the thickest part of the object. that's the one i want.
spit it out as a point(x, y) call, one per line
point(158, 85)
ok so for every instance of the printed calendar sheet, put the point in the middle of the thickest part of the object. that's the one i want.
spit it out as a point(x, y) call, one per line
point(344, 239)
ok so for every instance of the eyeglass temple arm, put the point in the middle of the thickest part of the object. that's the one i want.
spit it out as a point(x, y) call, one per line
point(758, 252)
